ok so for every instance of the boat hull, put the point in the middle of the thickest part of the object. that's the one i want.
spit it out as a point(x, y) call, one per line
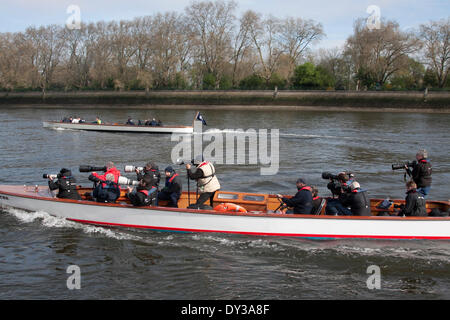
point(117, 127)
point(260, 224)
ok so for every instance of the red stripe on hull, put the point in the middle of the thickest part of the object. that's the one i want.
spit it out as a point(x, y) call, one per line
point(263, 233)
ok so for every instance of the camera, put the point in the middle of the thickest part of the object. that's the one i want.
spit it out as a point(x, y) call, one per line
point(399, 166)
point(91, 168)
point(328, 175)
point(335, 186)
point(53, 176)
point(126, 181)
point(133, 169)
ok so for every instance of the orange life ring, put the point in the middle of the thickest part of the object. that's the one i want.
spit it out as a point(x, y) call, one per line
point(227, 207)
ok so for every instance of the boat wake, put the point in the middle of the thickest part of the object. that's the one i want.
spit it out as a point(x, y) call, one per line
point(418, 250)
point(49, 221)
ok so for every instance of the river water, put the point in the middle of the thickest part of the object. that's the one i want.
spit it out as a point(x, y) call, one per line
point(36, 249)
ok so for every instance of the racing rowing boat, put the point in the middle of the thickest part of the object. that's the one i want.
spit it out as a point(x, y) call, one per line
point(261, 218)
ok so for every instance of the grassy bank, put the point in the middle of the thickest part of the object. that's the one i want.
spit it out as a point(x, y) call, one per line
point(437, 101)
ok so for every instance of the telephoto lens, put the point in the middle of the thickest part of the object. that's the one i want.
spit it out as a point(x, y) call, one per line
point(85, 168)
point(126, 181)
point(328, 175)
point(46, 176)
point(133, 169)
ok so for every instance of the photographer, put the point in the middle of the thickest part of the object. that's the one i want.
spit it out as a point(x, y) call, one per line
point(207, 183)
point(339, 187)
point(145, 194)
point(106, 190)
point(65, 185)
point(356, 199)
point(421, 172)
point(109, 169)
point(150, 169)
point(415, 204)
point(172, 189)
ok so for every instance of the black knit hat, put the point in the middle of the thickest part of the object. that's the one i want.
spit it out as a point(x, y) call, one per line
point(169, 169)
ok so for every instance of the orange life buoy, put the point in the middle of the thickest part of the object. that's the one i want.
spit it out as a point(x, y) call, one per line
point(227, 207)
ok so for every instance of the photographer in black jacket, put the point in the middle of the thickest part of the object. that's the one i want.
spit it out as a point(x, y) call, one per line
point(150, 169)
point(415, 204)
point(65, 183)
point(339, 187)
point(145, 194)
point(356, 199)
point(173, 188)
point(420, 172)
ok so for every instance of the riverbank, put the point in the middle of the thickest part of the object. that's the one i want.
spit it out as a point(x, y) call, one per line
point(242, 100)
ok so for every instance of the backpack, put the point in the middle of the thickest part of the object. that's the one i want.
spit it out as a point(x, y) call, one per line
point(106, 192)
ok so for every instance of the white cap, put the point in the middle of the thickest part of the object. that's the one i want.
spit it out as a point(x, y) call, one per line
point(354, 185)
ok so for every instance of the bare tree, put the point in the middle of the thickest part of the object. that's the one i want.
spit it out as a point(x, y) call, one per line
point(436, 38)
point(169, 47)
point(242, 45)
point(48, 44)
point(211, 25)
point(378, 53)
point(265, 38)
point(296, 35)
point(338, 65)
point(123, 48)
point(102, 52)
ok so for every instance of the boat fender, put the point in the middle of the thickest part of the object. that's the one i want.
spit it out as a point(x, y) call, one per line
point(230, 207)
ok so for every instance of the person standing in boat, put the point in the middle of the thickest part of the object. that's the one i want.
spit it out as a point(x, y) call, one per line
point(421, 172)
point(173, 188)
point(207, 183)
point(145, 194)
point(65, 185)
point(302, 202)
point(415, 204)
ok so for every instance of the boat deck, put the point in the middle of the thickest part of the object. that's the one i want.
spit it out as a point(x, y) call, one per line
point(254, 203)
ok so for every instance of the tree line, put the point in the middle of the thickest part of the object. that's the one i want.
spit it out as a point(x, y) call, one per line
point(208, 46)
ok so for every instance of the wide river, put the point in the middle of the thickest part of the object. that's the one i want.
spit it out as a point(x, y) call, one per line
point(36, 249)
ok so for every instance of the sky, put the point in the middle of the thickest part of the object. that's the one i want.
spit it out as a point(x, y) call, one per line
point(336, 16)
